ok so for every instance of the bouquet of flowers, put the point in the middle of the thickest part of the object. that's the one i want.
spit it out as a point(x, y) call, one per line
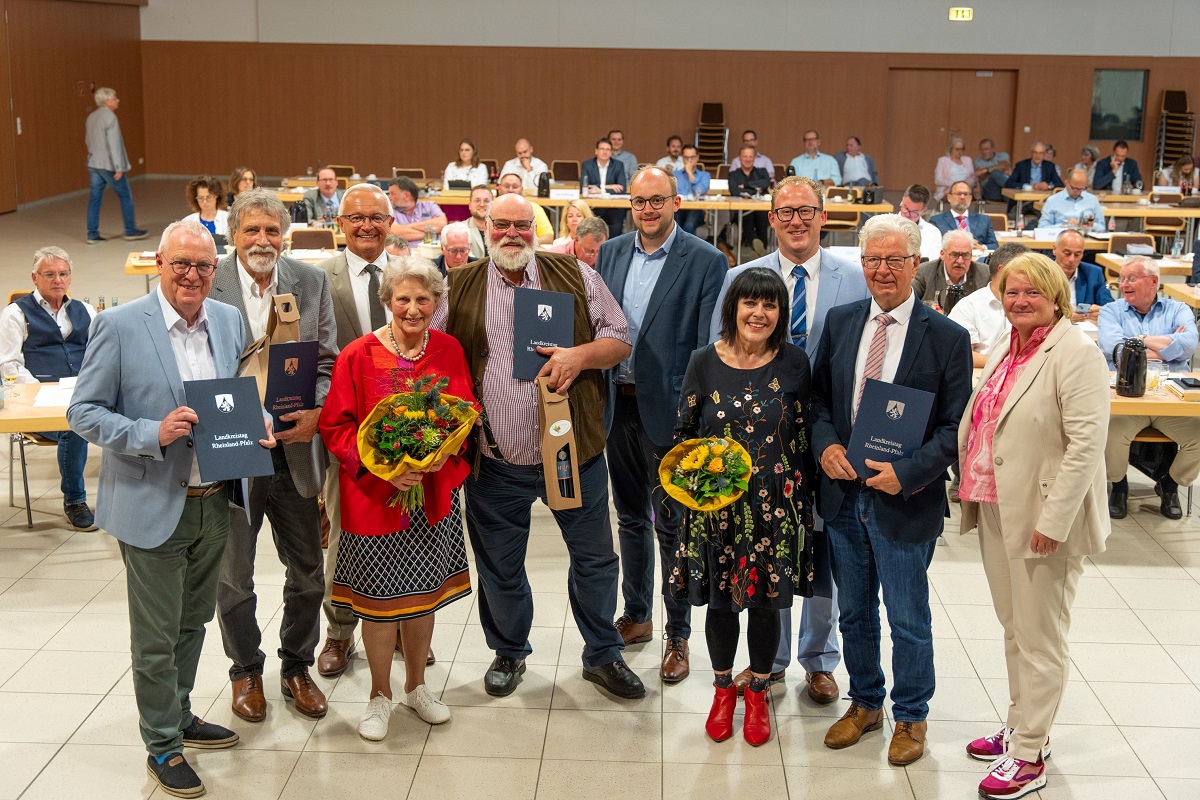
point(705, 474)
point(413, 430)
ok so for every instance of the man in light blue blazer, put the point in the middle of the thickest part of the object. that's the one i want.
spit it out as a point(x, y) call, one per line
point(172, 528)
point(826, 282)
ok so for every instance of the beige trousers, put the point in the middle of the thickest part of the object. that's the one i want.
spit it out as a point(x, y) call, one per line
point(1185, 431)
point(1033, 598)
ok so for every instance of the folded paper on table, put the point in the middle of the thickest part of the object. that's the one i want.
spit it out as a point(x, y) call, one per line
point(890, 425)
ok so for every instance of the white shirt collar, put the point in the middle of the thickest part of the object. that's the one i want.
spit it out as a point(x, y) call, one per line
point(357, 263)
point(250, 286)
point(901, 313)
point(172, 316)
point(812, 267)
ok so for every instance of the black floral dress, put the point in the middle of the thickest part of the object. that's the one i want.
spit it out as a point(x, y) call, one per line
point(755, 552)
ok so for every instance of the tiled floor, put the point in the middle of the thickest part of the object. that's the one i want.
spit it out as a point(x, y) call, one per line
point(1128, 728)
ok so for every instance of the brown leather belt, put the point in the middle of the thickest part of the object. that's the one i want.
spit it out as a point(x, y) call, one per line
point(205, 491)
point(627, 389)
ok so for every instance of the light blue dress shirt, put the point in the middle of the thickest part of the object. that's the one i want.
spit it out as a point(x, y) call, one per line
point(695, 189)
point(1119, 320)
point(644, 269)
point(1061, 207)
point(821, 168)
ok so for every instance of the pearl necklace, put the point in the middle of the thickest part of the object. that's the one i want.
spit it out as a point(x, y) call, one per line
point(396, 347)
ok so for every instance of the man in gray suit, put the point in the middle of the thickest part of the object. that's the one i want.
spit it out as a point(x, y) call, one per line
point(248, 280)
point(817, 281)
point(323, 201)
point(107, 164)
point(171, 527)
point(951, 277)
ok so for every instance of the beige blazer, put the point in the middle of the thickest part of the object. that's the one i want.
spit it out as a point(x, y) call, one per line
point(1048, 449)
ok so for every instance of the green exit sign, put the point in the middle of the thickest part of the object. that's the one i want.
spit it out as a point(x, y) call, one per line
point(962, 14)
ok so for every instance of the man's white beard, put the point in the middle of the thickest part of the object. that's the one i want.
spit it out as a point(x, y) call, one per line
point(512, 262)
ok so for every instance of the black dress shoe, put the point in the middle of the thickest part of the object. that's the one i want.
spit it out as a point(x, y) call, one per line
point(617, 678)
point(503, 675)
point(1169, 493)
point(175, 776)
point(1118, 499)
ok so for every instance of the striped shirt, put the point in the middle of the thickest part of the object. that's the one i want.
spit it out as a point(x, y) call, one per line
point(511, 405)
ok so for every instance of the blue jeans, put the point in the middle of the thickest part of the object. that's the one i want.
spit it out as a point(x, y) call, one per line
point(101, 178)
point(499, 498)
point(864, 558)
point(72, 459)
point(690, 219)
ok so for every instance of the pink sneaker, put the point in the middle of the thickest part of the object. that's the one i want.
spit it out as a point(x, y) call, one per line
point(1011, 778)
point(989, 748)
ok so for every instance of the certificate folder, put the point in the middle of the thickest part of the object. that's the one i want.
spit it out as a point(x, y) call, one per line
point(540, 319)
point(291, 380)
point(890, 425)
point(231, 423)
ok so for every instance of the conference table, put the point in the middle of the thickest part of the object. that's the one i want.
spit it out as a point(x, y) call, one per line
point(1023, 196)
point(1031, 240)
point(1111, 263)
point(20, 415)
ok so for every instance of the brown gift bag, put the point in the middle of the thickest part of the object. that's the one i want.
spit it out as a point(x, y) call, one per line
point(282, 326)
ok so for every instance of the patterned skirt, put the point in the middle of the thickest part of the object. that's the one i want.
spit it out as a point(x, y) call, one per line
point(406, 574)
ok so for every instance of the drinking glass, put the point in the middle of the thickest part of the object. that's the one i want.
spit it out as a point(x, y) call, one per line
point(10, 372)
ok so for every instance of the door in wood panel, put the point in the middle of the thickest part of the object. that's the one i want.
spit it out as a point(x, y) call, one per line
point(982, 104)
point(8, 128)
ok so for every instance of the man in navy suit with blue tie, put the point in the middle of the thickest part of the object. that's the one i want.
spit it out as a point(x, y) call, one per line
point(883, 526)
point(818, 281)
point(605, 175)
point(959, 217)
point(667, 282)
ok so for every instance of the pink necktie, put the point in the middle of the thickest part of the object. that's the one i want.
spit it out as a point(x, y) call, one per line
point(962, 223)
point(873, 368)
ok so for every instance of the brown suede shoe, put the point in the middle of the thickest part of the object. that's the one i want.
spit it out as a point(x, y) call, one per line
point(249, 703)
point(674, 666)
point(333, 659)
point(743, 678)
point(634, 632)
point(308, 697)
point(853, 724)
point(908, 743)
point(822, 688)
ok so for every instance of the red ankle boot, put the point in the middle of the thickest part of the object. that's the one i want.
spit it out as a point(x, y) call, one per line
point(757, 726)
point(720, 716)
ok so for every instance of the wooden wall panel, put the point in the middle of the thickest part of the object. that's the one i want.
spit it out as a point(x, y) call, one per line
point(8, 131)
point(55, 44)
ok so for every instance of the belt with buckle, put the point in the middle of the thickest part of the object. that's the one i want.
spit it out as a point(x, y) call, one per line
point(627, 389)
point(205, 491)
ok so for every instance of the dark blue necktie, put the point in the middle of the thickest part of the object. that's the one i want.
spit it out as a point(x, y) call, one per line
point(799, 327)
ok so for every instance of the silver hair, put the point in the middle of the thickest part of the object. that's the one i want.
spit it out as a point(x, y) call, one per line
point(402, 268)
point(881, 226)
point(259, 200)
point(103, 95)
point(1069, 232)
point(364, 187)
point(1147, 264)
point(187, 226)
point(652, 168)
point(455, 228)
point(955, 233)
point(591, 226)
point(1092, 151)
point(45, 253)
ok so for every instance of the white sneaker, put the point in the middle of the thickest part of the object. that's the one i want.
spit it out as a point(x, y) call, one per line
point(374, 722)
point(428, 708)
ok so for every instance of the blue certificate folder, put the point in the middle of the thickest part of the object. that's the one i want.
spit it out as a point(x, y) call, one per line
point(291, 380)
point(231, 423)
point(540, 319)
point(890, 425)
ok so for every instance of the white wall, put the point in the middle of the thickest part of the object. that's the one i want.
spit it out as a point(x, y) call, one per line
point(1061, 27)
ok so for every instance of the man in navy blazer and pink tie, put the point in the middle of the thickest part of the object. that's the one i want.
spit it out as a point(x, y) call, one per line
point(959, 217)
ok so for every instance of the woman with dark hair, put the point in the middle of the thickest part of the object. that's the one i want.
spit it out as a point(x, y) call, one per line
point(466, 167)
point(206, 196)
point(240, 180)
point(751, 386)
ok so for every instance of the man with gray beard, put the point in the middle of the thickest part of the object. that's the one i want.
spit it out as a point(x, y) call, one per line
point(506, 454)
point(249, 280)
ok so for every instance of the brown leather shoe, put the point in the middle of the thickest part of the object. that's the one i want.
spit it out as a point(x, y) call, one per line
point(822, 688)
point(634, 632)
point(745, 676)
point(853, 724)
point(908, 743)
point(308, 697)
point(333, 659)
point(675, 660)
point(249, 703)
point(429, 659)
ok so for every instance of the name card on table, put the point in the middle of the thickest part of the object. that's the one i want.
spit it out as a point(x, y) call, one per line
point(890, 425)
point(564, 194)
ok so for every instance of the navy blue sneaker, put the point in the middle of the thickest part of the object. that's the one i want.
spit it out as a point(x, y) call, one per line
point(175, 775)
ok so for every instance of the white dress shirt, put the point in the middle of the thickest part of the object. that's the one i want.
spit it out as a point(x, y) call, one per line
point(895, 340)
point(193, 356)
point(14, 330)
point(603, 170)
point(528, 177)
point(258, 301)
point(360, 279)
point(855, 169)
point(813, 267)
point(982, 314)
point(931, 241)
point(668, 162)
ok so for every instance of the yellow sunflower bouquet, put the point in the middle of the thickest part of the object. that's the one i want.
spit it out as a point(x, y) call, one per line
point(705, 474)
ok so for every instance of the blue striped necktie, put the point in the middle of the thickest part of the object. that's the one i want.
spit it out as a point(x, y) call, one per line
point(799, 327)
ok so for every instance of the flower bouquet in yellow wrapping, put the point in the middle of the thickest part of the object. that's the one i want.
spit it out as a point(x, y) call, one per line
point(413, 430)
point(705, 474)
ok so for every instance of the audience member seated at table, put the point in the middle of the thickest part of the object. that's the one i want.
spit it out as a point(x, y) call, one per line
point(1037, 172)
point(510, 183)
point(1181, 172)
point(413, 216)
point(1118, 170)
point(959, 217)
point(981, 312)
point(749, 137)
point(991, 170)
point(912, 208)
point(240, 180)
point(589, 235)
point(1168, 329)
point(693, 184)
point(396, 246)
point(628, 160)
point(856, 167)
point(1089, 155)
point(466, 167)
point(814, 164)
point(481, 200)
point(45, 334)
point(953, 167)
point(952, 276)
point(456, 247)
point(323, 201)
point(572, 214)
point(1052, 156)
point(748, 181)
point(603, 174)
point(206, 196)
point(525, 166)
point(1074, 206)
point(674, 156)
point(1086, 281)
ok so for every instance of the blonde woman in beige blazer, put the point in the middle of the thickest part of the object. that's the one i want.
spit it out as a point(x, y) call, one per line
point(1031, 449)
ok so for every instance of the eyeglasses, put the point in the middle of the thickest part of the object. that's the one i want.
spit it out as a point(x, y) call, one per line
point(785, 213)
point(52, 275)
point(656, 202)
point(203, 268)
point(1130, 278)
point(958, 256)
point(959, 194)
point(522, 225)
point(358, 219)
point(894, 263)
point(458, 251)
